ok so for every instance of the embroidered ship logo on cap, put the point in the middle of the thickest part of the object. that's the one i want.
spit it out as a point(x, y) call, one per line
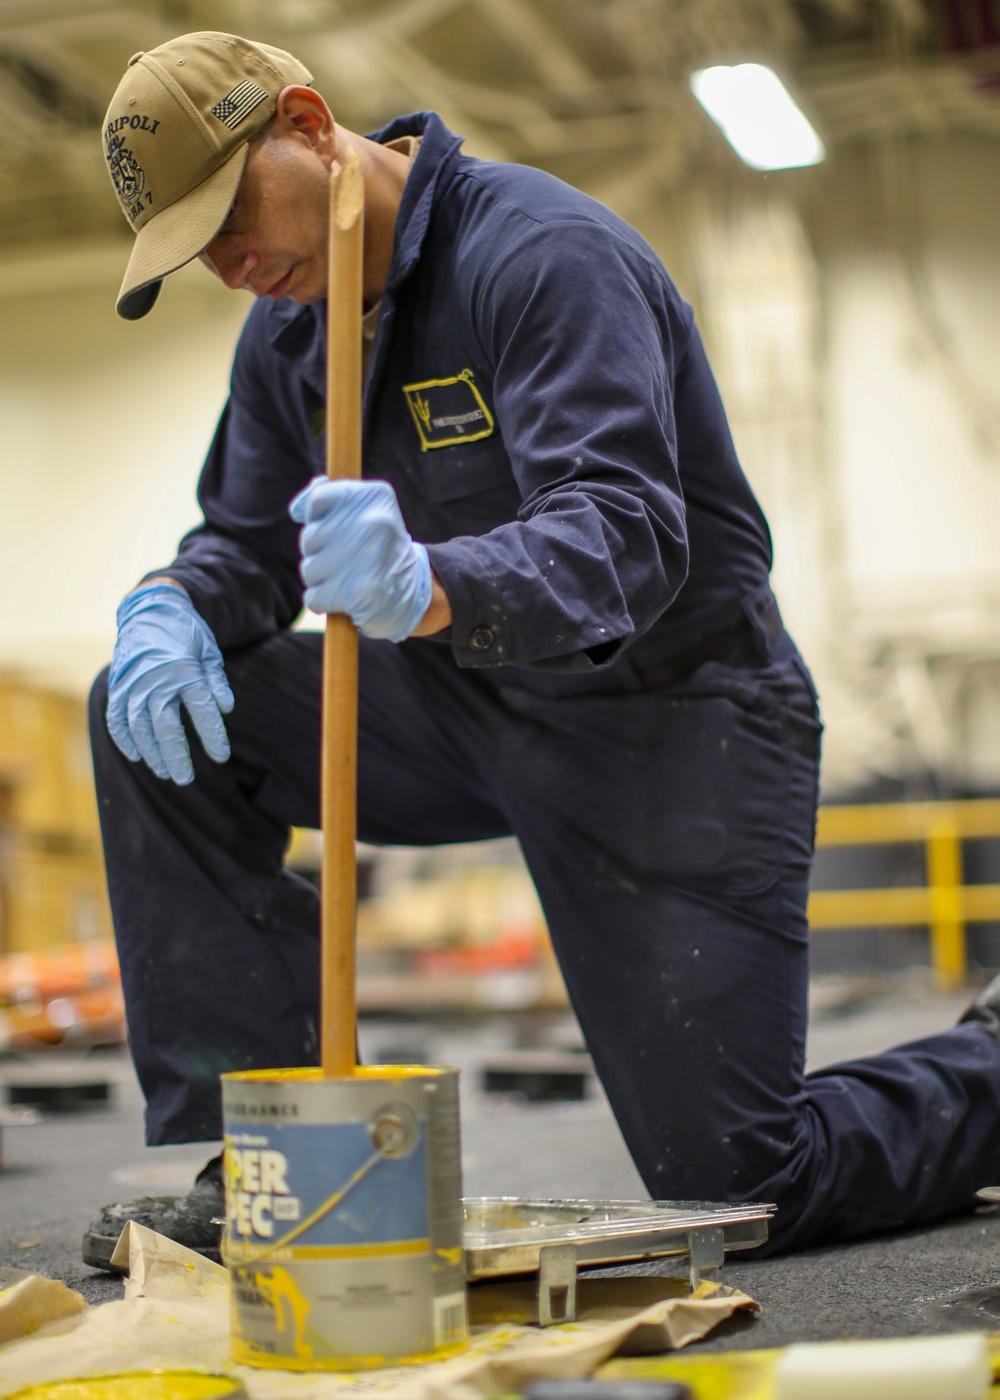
point(128, 176)
point(126, 172)
point(237, 105)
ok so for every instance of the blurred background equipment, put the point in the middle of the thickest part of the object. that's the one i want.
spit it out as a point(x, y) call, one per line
point(452, 929)
point(69, 996)
point(58, 973)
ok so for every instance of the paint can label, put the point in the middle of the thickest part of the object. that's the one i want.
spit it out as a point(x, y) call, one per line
point(340, 1255)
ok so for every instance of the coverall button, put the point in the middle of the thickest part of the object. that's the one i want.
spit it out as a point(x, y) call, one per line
point(482, 639)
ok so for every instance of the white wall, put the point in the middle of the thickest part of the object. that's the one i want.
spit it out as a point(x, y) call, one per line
point(105, 426)
point(907, 242)
point(915, 424)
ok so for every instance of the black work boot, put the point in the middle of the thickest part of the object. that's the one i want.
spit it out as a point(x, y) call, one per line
point(985, 1009)
point(194, 1220)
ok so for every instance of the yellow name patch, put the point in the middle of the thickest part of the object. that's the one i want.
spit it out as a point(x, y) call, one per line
point(448, 411)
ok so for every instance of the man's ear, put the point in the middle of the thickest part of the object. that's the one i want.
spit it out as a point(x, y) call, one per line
point(302, 109)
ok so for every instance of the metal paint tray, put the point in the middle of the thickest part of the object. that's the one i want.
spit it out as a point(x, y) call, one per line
point(506, 1235)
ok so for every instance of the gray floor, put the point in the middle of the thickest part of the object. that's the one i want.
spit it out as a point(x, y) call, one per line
point(58, 1171)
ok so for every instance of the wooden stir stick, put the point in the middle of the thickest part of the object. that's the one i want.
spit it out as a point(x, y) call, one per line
point(338, 1009)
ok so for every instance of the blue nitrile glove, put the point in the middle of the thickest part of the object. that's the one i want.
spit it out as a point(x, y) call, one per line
point(358, 558)
point(166, 656)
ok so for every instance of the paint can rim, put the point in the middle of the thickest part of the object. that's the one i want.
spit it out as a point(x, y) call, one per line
point(313, 1074)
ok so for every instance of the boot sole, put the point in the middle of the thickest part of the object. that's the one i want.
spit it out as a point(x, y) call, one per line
point(97, 1251)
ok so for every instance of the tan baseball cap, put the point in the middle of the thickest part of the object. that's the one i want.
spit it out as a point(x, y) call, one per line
point(176, 138)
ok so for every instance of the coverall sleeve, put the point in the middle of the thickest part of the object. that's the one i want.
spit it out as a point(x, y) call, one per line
point(585, 335)
point(241, 565)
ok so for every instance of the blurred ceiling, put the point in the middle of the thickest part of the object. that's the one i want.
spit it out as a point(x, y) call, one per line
point(595, 90)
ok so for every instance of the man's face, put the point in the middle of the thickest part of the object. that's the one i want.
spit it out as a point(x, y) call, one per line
point(274, 242)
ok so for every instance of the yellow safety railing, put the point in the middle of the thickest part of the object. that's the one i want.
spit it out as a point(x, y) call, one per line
point(944, 904)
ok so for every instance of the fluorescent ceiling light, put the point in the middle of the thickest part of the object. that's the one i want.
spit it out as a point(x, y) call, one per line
point(758, 116)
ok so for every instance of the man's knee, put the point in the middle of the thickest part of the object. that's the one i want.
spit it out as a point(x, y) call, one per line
point(97, 706)
point(99, 691)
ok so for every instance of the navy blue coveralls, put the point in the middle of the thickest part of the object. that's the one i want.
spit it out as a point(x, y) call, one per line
point(616, 690)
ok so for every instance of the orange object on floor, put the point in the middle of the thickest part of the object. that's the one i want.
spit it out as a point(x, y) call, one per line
point(512, 948)
point(70, 995)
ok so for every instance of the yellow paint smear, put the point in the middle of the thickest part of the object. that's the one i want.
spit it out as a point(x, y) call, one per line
point(734, 1375)
point(312, 1074)
point(246, 1354)
point(140, 1385)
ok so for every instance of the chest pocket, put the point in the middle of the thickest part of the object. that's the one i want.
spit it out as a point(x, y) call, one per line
point(467, 470)
point(460, 450)
point(449, 412)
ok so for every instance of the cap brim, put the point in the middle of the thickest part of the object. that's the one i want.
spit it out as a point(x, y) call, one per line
point(176, 235)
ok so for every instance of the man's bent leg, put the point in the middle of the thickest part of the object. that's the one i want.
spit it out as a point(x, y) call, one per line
point(680, 927)
point(217, 942)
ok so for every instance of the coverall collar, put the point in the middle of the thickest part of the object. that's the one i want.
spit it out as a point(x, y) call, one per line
point(294, 327)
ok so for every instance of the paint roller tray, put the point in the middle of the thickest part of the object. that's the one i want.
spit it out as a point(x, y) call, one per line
point(506, 1235)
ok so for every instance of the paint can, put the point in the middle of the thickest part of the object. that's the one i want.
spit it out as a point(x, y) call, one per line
point(344, 1217)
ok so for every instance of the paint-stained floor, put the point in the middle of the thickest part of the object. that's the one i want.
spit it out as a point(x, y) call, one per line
point(58, 1172)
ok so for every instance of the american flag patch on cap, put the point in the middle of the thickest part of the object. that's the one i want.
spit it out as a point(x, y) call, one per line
point(238, 104)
